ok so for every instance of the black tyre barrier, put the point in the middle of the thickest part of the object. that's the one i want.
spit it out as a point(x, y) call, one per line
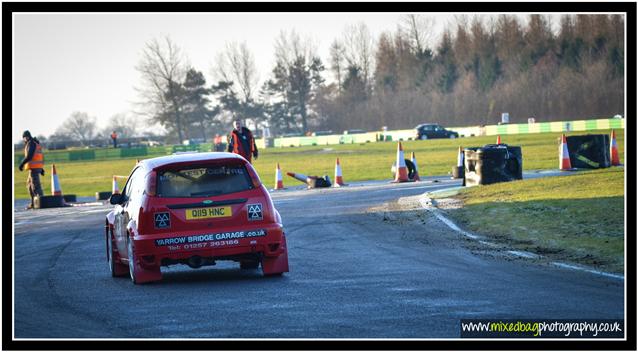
point(102, 195)
point(458, 172)
point(319, 182)
point(48, 202)
point(589, 151)
point(70, 198)
point(409, 165)
point(493, 163)
point(411, 169)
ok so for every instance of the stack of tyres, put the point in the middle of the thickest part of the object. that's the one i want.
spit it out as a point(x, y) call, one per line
point(493, 163)
point(589, 151)
point(41, 202)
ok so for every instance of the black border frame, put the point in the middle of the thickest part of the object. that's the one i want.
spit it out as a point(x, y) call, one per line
point(8, 343)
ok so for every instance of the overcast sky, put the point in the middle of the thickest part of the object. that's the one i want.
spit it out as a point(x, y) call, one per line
point(86, 62)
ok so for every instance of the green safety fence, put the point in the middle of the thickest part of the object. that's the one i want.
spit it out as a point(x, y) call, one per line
point(132, 152)
point(205, 147)
point(181, 148)
point(82, 155)
point(55, 156)
point(397, 135)
point(107, 153)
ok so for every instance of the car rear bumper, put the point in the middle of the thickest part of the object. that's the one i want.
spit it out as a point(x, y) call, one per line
point(152, 249)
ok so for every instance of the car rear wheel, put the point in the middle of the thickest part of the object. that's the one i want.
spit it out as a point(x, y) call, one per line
point(117, 269)
point(424, 137)
point(452, 136)
point(131, 260)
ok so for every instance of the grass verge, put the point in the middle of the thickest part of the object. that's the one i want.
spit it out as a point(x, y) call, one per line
point(577, 218)
point(359, 162)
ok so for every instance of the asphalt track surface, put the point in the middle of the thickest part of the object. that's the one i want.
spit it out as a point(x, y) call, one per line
point(352, 276)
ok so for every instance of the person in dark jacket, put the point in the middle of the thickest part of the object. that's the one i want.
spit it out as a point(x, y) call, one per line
point(241, 141)
point(33, 162)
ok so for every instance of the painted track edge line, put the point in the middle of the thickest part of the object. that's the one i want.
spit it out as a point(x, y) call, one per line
point(426, 203)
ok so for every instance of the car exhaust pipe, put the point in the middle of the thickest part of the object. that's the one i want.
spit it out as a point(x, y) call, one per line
point(195, 262)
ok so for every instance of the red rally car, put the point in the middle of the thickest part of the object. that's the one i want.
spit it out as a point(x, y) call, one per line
point(193, 209)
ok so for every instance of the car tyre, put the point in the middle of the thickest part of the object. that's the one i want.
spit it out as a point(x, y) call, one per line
point(131, 260)
point(424, 137)
point(452, 136)
point(116, 269)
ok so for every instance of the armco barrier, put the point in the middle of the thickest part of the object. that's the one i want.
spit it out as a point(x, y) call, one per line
point(489, 130)
point(556, 126)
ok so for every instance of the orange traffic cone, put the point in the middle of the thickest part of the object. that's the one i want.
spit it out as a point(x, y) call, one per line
point(564, 163)
point(56, 190)
point(498, 139)
point(613, 150)
point(116, 189)
point(279, 182)
point(402, 170)
point(416, 169)
point(338, 175)
point(300, 177)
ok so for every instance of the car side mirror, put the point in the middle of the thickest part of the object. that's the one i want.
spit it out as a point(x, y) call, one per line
point(117, 199)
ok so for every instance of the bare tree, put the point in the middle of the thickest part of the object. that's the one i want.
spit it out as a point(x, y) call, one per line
point(123, 124)
point(237, 64)
point(359, 45)
point(79, 126)
point(163, 67)
point(236, 74)
point(419, 30)
point(337, 62)
point(296, 78)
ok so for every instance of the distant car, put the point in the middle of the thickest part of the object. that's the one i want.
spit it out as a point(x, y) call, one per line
point(431, 130)
point(193, 209)
point(354, 131)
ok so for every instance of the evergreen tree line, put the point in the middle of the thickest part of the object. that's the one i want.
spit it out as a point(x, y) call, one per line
point(478, 69)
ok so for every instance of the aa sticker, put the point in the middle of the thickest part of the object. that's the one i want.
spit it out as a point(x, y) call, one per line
point(254, 212)
point(162, 220)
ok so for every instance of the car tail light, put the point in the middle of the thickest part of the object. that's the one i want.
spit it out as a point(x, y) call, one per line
point(253, 176)
point(151, 183)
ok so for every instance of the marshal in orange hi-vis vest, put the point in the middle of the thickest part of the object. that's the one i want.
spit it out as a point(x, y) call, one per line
point(37, 162)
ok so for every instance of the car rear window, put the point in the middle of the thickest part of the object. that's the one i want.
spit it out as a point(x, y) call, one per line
point(203, 181)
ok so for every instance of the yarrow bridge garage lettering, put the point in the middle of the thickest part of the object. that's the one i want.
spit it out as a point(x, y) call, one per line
point(209, 237)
